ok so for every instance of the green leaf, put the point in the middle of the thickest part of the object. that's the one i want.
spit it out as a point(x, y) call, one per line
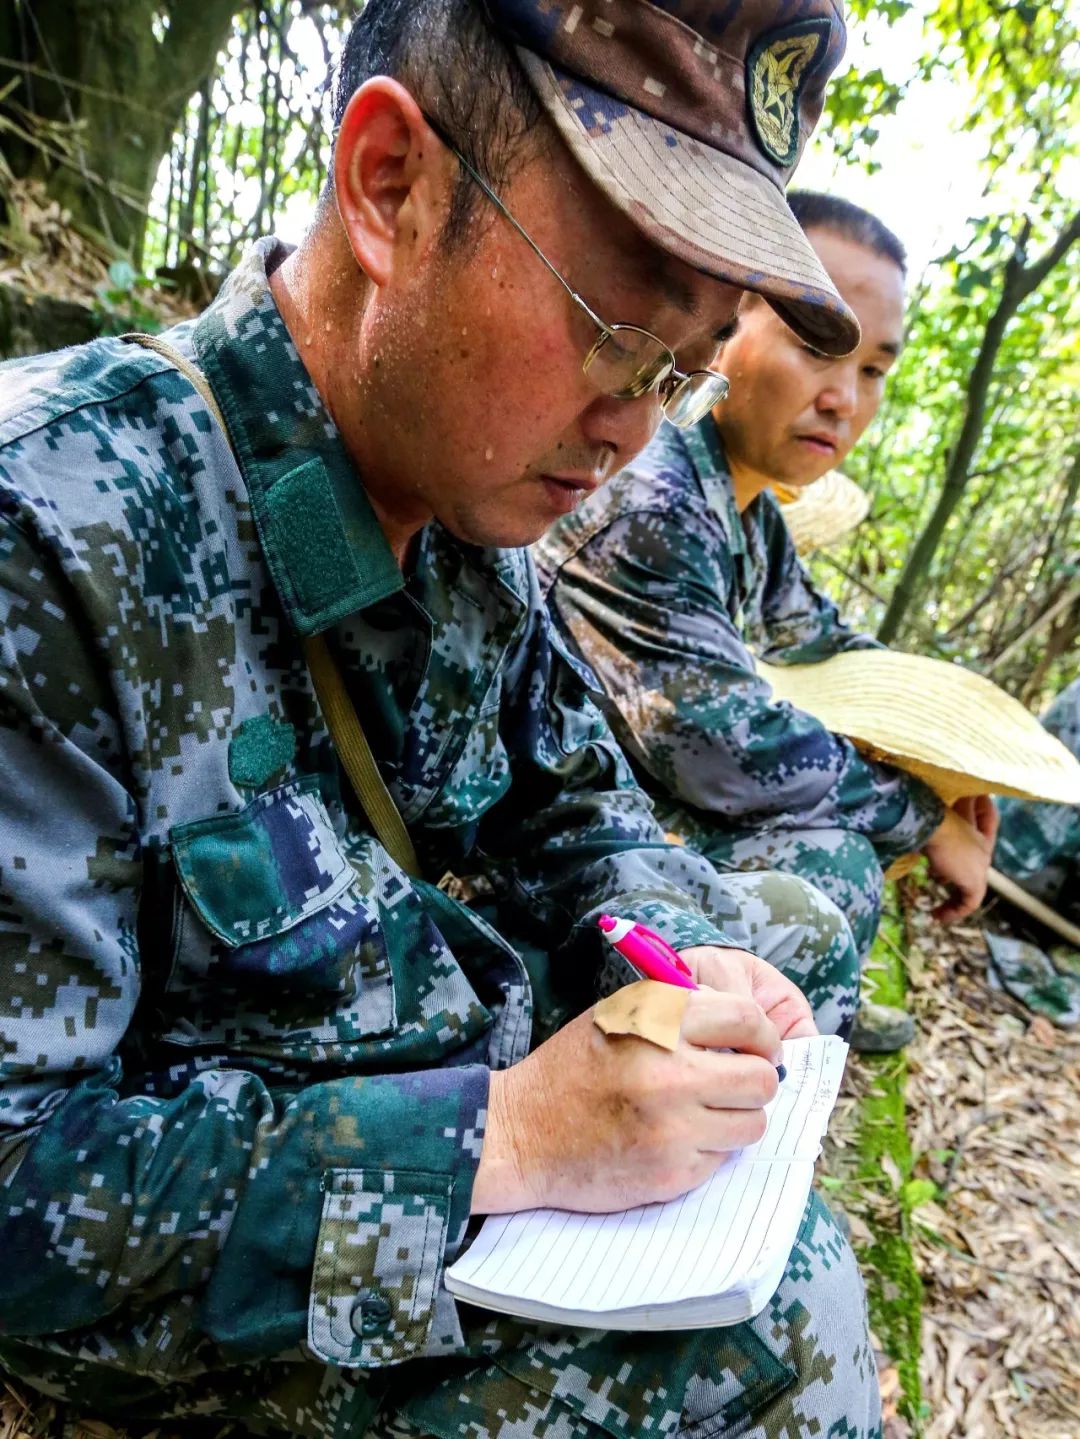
point(918, 1191)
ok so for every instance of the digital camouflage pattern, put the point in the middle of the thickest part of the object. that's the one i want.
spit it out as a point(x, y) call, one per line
point(668, 593)
point(840, 863)
point(1029, 975)
point(245, 1058)
point(1038, 845)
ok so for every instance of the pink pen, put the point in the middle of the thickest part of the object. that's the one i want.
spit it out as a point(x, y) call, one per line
point(646, 951)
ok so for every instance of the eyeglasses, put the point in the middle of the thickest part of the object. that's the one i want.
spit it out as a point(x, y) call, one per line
point(625, 361)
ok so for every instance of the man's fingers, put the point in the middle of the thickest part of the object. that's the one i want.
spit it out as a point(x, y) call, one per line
point(802, 1029)
point(728, 1129)
point(736, 1081)
point(717, 1020)
point(720, 967)
point(959, 906)
point(965, 808)
point(987, 817)
point(792, 1017)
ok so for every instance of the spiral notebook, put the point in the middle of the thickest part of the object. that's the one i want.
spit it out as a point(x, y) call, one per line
point(712, 1257)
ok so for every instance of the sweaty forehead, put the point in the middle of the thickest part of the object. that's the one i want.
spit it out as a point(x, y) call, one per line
point(676, 284)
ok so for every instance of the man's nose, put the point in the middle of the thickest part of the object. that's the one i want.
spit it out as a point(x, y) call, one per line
point(623, 427)
point(839, 396)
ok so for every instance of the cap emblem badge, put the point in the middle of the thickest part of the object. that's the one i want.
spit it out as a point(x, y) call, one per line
point(778, 68)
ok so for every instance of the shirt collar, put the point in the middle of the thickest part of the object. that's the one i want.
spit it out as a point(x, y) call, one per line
point(323, 544)
point(706, 451)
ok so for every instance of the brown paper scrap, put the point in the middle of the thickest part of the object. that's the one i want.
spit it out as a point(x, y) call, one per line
point(649, 1009)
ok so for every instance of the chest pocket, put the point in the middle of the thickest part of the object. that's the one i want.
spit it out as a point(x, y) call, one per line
point(278, 950)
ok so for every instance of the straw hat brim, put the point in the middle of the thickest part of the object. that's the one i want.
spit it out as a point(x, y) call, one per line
point(954, 729)
point(822, 513)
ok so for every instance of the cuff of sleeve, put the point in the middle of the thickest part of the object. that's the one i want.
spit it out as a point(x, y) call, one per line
point(681, 927)
point(387, 1232)
point(923, 812)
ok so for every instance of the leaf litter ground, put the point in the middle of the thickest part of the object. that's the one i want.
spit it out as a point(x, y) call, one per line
point(967, 1217)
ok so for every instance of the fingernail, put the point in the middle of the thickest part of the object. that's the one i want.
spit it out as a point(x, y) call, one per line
point(781, 1072)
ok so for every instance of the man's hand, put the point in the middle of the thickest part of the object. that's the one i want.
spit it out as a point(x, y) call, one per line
point(599, 1122)
point(740, 972)
point(959, 851)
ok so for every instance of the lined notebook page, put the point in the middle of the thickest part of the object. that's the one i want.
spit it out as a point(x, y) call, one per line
point(730, 1234)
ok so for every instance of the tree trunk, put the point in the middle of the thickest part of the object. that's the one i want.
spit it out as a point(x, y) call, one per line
point(1019, 282)
point(97, 67)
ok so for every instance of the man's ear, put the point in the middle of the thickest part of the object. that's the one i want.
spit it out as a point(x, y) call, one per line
point(390, 177)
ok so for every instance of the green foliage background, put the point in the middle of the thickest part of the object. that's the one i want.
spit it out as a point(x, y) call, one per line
point(1002, 593)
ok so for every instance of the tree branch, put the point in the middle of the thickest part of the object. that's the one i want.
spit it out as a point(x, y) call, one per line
point(1032, 276)
point(1018, 282)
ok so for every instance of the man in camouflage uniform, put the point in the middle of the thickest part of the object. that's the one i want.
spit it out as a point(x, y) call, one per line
point(672, 579)
point(1038, 845)
point(258, 1076)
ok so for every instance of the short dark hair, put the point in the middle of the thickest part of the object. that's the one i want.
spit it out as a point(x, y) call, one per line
point(815, 211)
point(460, 72)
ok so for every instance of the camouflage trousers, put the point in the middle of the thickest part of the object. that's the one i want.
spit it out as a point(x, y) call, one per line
point(840, 863)
point(803, 1367)
point(783, 918)
point(1038, 845)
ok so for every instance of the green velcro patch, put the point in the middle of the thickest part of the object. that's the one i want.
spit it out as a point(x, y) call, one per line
point(259, 751)
point(309, 537)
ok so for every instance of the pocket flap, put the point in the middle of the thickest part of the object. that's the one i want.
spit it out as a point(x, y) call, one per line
point(257, 873)
point(378, 1265)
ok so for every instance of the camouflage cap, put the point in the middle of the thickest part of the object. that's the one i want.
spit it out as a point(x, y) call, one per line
point(691, 117)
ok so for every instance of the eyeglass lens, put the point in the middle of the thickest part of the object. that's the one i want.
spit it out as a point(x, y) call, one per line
point(694, 397)
point(627, 362)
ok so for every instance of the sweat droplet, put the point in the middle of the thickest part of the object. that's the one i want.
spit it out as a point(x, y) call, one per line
point(489, 453)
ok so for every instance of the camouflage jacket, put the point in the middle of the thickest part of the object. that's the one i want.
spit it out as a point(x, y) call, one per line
point(1038, 845)
point(245, 1059)
point(668, 593)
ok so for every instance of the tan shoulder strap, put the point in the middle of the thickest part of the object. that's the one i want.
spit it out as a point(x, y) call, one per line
point(353, 749)
point(342, 720)
point(186, 368)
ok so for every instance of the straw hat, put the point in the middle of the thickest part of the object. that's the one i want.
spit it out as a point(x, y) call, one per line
point(822, 513)
point(954, 729)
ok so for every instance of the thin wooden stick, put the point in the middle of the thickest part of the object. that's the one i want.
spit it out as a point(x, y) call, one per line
point(1010, 890)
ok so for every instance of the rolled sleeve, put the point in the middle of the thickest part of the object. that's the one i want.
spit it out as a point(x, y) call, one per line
point(922, 812)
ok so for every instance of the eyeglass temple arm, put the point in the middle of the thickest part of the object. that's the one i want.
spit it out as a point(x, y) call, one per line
point(533, 246)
